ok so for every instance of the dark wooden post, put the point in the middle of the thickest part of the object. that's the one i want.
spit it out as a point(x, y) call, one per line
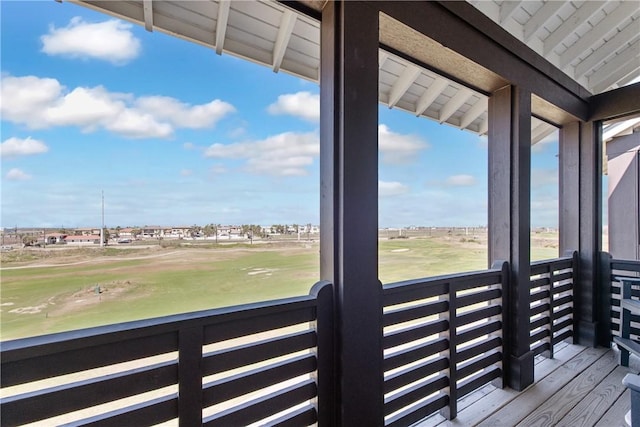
point(349, 203)
point(325, 330)
point(581, 220)
point(509, 221)
point(190, 376)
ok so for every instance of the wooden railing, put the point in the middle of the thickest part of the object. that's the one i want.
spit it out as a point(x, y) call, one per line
point(612, 270)
point(266, 362)
point(274, 362)
point(442, 340)
point(551, 303)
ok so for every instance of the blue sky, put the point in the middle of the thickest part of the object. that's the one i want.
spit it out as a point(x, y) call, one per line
point(175, 135)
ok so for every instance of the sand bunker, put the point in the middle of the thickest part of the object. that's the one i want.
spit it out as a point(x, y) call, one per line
point(266, 271)
point(29, 310)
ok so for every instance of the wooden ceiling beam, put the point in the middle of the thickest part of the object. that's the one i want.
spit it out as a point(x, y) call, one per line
point(221, 24)
point(403, 83)
point(433, 91)
point(147, 12)
point(287, 23)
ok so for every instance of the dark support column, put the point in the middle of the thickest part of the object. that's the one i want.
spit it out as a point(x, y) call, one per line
point(349, 204)
point(569, 191)
point(580, 220)
point(509, 221)
point(587, 296)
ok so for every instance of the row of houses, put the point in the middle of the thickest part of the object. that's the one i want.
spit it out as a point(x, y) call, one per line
point(91, 235)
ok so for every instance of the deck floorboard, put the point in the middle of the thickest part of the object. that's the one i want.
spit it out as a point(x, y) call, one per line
point(580, 386)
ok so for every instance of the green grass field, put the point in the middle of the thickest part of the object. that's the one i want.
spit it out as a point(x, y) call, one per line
point(136, 284)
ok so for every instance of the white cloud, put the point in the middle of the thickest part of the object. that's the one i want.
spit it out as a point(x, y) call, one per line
point(391, 188)
point(14, 147)
point(285, 154)
point(185, 115)
point(460, 181)
point(137, 125)
point(398, 148)
point(304, 105)
point(110, 41)
point(16, 174)
point(186, 172)
point(44, 103)
point(188, 146)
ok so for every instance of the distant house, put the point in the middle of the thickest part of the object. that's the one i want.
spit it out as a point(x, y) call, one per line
point(88, 231)
point(180, 231)
point(83, 240)
point(126, 232)
point(53, 238)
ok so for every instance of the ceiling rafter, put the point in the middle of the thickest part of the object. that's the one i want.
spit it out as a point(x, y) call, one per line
point(540, 18)
point(541, 131)
point(287, 23)
point(221, 24)
point(382, 57)
point(607, 50)
point(474, 112)
point(433, 91)
point(619, 128)
point(484, 127)
point(147, 12)
point(577, 18)
point(404, 82)
point(618, 67)
point(454, 104)
point(506, 10)
point(608, 24)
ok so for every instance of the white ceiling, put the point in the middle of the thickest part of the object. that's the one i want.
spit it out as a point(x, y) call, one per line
point(595, 43)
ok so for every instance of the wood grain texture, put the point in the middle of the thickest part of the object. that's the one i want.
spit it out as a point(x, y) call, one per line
point(482, 403)
point(614, 417)
point(589, 410)
point(564, 400)
point(535, 397)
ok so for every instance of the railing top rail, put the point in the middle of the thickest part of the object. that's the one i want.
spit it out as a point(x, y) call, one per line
point(442, 279)
point(550, 261)
point(62, 341)
point(625, 264)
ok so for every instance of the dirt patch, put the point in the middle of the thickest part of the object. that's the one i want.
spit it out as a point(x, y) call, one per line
point(83, 298)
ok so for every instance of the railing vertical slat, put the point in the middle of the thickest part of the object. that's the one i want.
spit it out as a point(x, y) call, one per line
point(451, 411)
point(552, 271)
point(605, 307)
point(190, 376)
point(504, 277)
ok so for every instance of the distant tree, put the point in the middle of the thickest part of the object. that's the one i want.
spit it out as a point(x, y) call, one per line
point(135, 232)
point(29, 240)
point(105, 235)
point(118, 231)
point(194, 230)
point(209, 230)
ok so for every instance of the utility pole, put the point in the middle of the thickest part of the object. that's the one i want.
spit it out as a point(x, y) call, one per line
point(102, 228)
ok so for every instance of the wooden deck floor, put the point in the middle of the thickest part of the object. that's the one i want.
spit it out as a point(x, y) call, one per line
point(580, 387)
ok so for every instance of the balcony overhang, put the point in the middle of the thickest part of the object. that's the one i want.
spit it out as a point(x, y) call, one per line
point(443, 61)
